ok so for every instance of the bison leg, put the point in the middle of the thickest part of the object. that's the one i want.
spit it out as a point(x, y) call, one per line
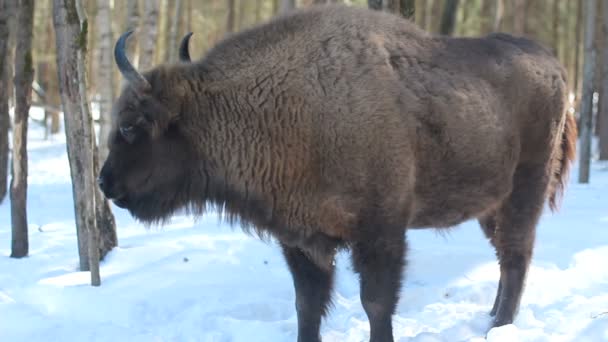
point(313, 285)
point(514, 237)
point(380, 264)
point(488, 225)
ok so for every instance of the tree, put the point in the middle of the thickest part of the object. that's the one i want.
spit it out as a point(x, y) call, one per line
point(603, 112)
point(172, 45)
point(587, 98)
point(448, 18)
point(131, 23)
point(24, 75)
point(498, 14)
point(105, 79)
point(287, 5)
point(70, 23)
point(375, 4)
point(149, 33)
point(519, 17)
point(230, 16)
point(5, 90)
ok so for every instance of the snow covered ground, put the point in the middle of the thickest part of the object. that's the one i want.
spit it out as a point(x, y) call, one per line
point(199, 280)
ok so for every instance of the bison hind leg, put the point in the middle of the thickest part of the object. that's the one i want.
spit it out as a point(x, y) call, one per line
point(514, 234)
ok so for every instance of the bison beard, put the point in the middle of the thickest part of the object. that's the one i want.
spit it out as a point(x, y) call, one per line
point(339, 127)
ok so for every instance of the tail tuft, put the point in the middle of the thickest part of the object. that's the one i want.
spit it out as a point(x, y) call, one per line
point(563, 157)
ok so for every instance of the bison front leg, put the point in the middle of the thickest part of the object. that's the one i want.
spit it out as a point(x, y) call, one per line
point(514, 238)
point(379, 263)
point(313, 286)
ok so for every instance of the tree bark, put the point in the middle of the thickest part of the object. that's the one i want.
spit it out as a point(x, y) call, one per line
point(375, 4)
point(498, 14)
point(448, 19)
point(24, 75)
point(230, 16)
point(148, 35)
point(602, 116)
point(519, 17)
point(287, 5)
point(105, 79)
point(131, 23)
point(70, 26)
point(5, 90)
point(577, 62)
point(587, 98)
point(172, 45)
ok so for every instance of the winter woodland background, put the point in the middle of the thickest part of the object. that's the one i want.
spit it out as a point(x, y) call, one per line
point(200, 280)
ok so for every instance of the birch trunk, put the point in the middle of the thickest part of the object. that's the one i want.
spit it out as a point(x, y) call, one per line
point(149, 33)
point(587, 98)
point(172, 44)
point(105, 79)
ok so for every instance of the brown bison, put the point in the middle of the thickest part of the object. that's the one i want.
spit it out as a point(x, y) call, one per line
point(340, 127)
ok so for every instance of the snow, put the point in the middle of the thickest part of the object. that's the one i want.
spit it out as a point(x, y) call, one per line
point(200, 280)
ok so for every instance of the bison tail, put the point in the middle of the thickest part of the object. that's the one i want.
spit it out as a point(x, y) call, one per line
point(563, 156)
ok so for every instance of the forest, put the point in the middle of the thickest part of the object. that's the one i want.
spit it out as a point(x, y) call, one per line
point(59, 82)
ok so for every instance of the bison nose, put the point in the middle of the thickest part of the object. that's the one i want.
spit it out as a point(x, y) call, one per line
point(105, 184)
point(100, 183)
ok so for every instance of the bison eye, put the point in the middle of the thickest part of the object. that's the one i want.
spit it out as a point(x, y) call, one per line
point(128, 133)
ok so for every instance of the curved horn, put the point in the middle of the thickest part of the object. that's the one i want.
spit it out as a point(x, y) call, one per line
point(127, 70)
point(184, 54)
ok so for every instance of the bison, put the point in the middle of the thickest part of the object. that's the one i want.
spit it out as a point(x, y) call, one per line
point(340, 127)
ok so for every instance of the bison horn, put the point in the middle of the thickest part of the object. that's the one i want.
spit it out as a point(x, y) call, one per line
point(184, 54)
point(126, 68)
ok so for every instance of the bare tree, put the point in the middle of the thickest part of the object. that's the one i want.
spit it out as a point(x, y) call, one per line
point(131, 23)
point(587, 98)
point(498, 14)
point(105, 79)
point(69, 20)
point(374, 4)
point(577, 62)
point(602, 116)
point(149, 33)
point(5, 90)
point(24, 75)
point(448, 18)
point(230, 16)
point(519, 17)
point(172, 44)
point(287, 5)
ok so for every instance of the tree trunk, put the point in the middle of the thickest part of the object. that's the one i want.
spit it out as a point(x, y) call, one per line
point(105, 79)
point(555, 26)
point(519, 17)
point(24, 75)
point(131, 23)
point(148, 35)
point(287, 5)
point(230, 16)
point(70, 24)
point(448, 19)
point(577, 62)
point(258, 11)
point(587, 98)
point(172, 44)
point(375, 4)
point(498, 14)
point(602, 116)
point(5, 90)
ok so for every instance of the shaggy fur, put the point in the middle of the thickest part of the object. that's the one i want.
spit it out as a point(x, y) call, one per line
point(343, 127)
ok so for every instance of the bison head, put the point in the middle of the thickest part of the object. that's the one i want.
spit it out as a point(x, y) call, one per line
point(149, 166)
